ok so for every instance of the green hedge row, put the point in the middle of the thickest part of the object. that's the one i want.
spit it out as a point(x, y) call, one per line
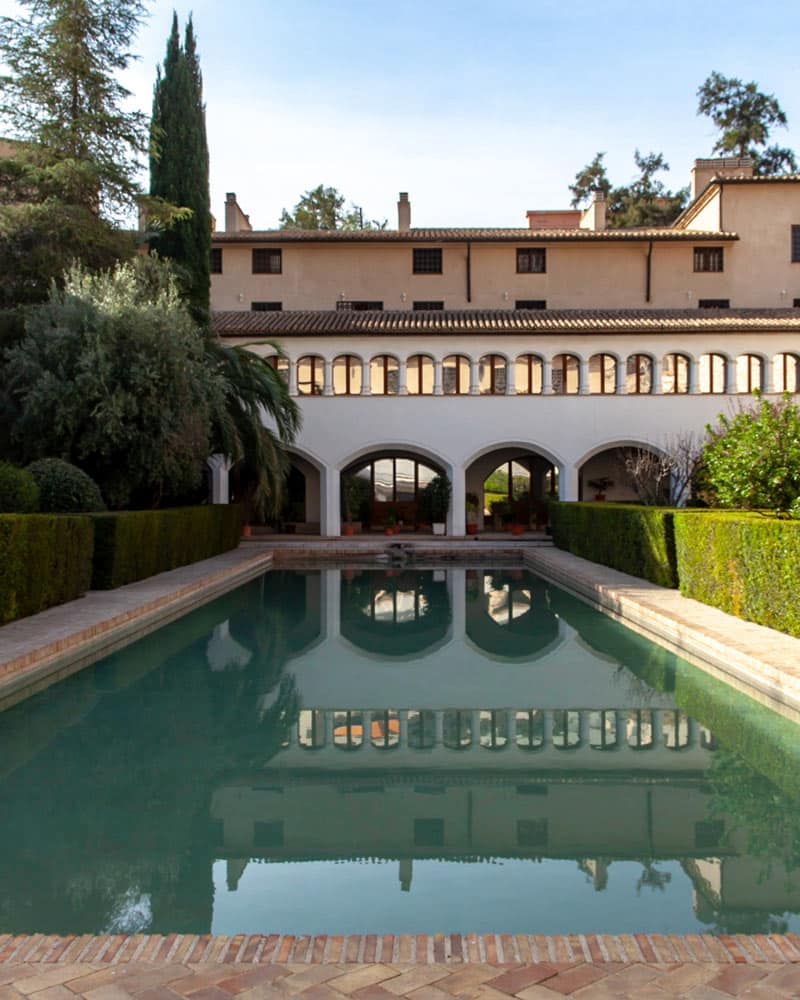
point(45, 560)
point(132, 545)
point(745, 564)
point(628, 537)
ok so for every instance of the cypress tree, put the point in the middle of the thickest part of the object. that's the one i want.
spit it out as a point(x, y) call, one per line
point(179, 166)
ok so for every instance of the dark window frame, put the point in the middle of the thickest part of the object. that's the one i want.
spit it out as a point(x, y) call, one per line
point(637, 374)
point(531, 260)
point(795, 245)
point(713, 303)
point(529, 361)
point(418, 373)
point(266, 307)
point(496, 362)
point(426, 260)
point(317, 387)
point(385, 359)
point(428, 305)
point(348, 362)
point(359, 305)
point(263, 260)
point(709, 260)
point(458, 388)
point(530, 304)
point(215, 263)
point(604, 359)
point(676, 357)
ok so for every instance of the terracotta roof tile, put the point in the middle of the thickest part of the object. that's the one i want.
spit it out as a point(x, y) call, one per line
point(308, 323)
point(474, 235)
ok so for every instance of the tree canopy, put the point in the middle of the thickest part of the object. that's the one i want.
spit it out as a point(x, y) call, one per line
point(323, 208)
point(179, 166)
point(752, 460)
point(745, 118)
point(646, 201)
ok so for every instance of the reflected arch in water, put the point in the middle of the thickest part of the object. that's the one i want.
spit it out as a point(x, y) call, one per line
point(394, 615)
point(508, 614)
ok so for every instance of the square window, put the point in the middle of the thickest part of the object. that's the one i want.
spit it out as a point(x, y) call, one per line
point(796, 303)
point(429, 306)
point(429, 832)
point(530, 304)
point(708, 259)
point(532, 833)
point(709, 833)
point(268, 834)
point(531, 260)
point(358, 305)
point(266, 261)
point(266, 307)
point(713, 303)
point(216, 260)
point(427, 260)
point(795, 244)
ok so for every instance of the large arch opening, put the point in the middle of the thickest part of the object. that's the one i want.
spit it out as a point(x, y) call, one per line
point(509, 486)
point(382, 490)
point(634, 473)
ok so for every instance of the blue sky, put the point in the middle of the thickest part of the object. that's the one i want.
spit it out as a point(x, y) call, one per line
point(481, 111)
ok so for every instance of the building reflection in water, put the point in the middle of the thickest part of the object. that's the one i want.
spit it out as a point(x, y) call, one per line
point(405, 716)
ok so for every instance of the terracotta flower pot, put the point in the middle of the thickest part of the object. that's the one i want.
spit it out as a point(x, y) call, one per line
point(517, 529)
point(348, 529)
point(246, 531)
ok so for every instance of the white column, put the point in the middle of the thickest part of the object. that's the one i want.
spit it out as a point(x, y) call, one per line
point(292, 377)
point(655, 383)
point(730, 376)
point(327, 379)
point(402, 373)
point(457, 517)
point(474, 377)
point(457, 589)
point(621, 371)
point(220, 466)
point(330, 524)
point(331, 603)
point(547, 377)
point(365, 380)
point(768, 374)
point(437, 377)
point(567, 483)
point(547, 728)
point(438, 727)
point(511, 378)
point(694, 371)
point(583, 377)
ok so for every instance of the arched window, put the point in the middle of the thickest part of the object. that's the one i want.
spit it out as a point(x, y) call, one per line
point(530, 729)
point(566, 729)
point(457, 725)
point(346, 375)
point(281, 365)
point(748, 372)
point(675, 373)
point(419, 375)
point(492, 375)
point(528, 375)
point(565, 375)
point(712, 373)
point(493, 729)
point(311, 728)
point(639, 374)
point(385, 729)
point(348, 729)
point(786, 373)
point(639, 729)
point(384, 375)
point(602, 730)
point(603, 374)
point(310, 375)
point(455, 375)
point(421, 729)
point(675, 730)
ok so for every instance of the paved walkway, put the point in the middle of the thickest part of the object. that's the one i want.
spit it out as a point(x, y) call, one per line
point(422, 967)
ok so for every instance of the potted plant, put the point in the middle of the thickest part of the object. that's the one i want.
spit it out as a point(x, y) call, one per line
point(390, 524)
point(352, 491)
point(600, 485)
point(472, 505)
point(434, 502)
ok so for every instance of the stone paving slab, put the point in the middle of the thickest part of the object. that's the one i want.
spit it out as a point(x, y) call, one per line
point(757, 660)
point(38, 650)
point(436, 967)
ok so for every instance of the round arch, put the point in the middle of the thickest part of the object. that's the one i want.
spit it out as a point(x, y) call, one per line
point(603, 473)
point(509, 483)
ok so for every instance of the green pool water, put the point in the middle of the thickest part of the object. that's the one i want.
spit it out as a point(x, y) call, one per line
point(419, 750)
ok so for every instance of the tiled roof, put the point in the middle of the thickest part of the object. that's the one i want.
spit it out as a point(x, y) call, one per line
point(474, 235)
point(308, 323)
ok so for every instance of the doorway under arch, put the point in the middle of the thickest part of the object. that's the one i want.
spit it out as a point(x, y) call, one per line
point(384, 488)
point(510, 486)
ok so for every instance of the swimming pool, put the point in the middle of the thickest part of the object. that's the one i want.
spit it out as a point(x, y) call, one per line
point(352, 750)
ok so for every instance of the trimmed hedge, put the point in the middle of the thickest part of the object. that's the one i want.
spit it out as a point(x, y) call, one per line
point(132, 545)
point(746, 564)
point(628, 537)
point(46, 560)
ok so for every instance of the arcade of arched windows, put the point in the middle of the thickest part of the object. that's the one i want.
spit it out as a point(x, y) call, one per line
point(531, 374)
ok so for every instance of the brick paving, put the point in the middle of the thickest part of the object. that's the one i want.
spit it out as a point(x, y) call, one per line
point(433, 967)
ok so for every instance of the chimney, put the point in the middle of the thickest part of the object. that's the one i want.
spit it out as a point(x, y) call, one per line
point(594, 215)
point(726, 166)
point(403, 213)
point(235, 219)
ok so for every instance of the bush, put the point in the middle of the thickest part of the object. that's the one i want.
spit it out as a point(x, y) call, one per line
point(46, 560)
point(631, 538)
point(19, 493)
point(132, 545)
point(64, 488)
point(745, 564)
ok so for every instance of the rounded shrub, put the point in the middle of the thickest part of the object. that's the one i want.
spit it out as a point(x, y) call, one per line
point(19, 493)
point(64, 488)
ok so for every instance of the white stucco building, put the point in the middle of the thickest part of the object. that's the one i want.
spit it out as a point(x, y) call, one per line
point(543, 349)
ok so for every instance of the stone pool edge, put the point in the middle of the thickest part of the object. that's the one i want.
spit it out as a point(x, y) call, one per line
point(761, 662)
point(52, 645)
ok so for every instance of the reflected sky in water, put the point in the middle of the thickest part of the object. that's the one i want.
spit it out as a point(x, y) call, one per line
point(397, 750)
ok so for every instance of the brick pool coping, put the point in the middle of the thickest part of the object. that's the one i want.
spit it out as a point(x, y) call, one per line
point(401, 949)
